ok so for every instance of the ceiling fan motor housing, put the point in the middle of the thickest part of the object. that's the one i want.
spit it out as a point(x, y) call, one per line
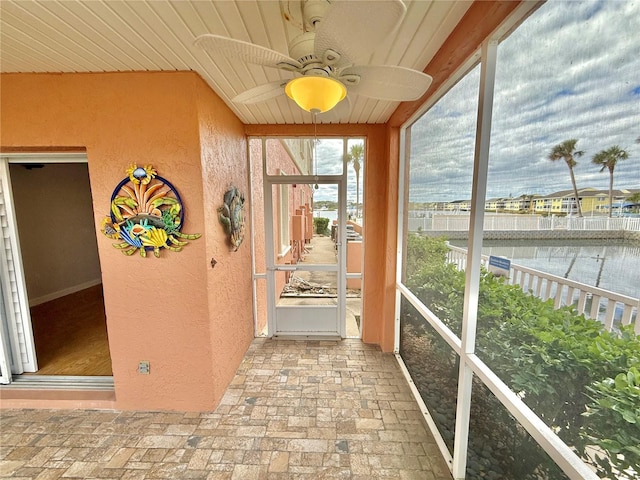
point(301, 48)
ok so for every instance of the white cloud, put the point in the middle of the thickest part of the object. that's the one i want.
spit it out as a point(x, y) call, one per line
point(571, 70)
point(329, 153)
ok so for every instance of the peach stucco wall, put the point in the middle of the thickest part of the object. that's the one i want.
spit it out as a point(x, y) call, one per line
point(229, 286)
point(191, 322)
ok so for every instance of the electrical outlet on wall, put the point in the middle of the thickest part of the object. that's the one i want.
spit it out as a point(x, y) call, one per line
point(144, 367)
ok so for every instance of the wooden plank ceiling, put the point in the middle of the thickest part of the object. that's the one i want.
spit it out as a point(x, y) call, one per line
point(153, 35)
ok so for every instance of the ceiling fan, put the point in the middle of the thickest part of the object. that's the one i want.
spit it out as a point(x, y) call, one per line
point(337, 36)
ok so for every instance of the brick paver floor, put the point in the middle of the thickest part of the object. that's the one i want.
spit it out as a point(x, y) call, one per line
point(295, 410)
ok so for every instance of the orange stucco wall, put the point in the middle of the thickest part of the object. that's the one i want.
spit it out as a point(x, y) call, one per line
point(192, 322)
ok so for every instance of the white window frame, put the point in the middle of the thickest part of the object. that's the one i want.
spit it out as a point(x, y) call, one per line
point(284, 233)
point(464, 346)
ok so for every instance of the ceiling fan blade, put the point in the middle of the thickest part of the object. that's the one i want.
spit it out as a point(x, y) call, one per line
point(261, 93)
point(355, 29)
point(249, 52)
point(387, 82)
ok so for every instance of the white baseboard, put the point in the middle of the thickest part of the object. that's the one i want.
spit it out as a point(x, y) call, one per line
point(61, 293)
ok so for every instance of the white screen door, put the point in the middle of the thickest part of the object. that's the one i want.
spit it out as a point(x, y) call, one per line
point(306, 274)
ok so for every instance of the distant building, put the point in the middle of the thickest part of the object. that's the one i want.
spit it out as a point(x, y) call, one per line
point(592, 201)
point(458, 206)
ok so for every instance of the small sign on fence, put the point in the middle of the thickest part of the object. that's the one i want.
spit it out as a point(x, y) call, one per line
point(499, 266)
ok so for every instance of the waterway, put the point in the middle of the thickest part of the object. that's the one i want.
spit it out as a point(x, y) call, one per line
point(613, 265)
point(333, 215)
point(330, 214)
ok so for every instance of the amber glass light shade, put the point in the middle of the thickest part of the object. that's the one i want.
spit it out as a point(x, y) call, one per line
point(315, 93)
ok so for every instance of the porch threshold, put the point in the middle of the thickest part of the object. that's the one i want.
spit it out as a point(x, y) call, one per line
point(308, 337)
point(60, 392)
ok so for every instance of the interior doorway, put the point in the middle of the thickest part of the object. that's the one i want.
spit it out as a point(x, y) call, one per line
point(54, 318)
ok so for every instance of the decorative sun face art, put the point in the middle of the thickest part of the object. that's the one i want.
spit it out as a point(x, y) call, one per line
point(146, 214)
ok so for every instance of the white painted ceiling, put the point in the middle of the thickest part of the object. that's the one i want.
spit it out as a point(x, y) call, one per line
point(152, 35)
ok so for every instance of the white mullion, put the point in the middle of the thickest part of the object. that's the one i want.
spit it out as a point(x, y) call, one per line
point(304, 179)
point(474, 258)
point(252, 243)
point(404, 153)
point(318, 267)
point(561, 454)
point(426, 413)
point(342, 241)
point(442, 330)
point(269, 244)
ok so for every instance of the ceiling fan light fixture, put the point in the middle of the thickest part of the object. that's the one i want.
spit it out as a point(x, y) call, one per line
point(312, 93)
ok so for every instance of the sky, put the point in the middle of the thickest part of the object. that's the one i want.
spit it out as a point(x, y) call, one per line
point(571, 70)
point(329, 155)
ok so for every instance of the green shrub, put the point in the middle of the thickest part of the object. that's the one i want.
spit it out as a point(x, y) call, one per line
point(321, 225)
point(565, 367)
point(615, 409)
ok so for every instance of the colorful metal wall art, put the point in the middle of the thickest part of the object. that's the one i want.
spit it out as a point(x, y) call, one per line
point(146, 214)
point(232, 216)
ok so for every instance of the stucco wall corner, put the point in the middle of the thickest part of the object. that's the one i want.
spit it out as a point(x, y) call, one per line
point(223, 156)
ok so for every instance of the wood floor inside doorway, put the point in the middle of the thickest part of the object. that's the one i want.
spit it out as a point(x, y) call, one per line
point(71, 336)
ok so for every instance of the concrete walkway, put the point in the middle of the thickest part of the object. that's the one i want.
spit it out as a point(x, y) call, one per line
point(295, 410)
point(322, 251)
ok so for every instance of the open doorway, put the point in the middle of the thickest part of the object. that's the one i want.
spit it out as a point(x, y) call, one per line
point(55, 225)
point(308, 256)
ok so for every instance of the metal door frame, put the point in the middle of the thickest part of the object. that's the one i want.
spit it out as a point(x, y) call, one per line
point(341, 267)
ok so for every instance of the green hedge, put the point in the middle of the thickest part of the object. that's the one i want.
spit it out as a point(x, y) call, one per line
point(321, 225)
point(580, 379)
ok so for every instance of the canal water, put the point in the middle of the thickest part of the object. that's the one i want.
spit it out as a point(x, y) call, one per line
point(613, 265)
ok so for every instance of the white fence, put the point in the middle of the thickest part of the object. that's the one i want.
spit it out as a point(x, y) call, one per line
point(610, 308)
point(506, 222)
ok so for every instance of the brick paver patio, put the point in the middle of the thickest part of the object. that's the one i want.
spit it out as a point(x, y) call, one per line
point(295, 410)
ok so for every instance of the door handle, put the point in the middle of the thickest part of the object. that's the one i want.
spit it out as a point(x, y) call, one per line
point(285, 268)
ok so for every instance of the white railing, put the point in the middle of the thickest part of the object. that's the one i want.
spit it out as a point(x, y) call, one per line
point(611, 308)
point(506, 222)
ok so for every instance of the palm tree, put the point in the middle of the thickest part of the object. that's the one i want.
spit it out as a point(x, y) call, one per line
point(567, 151)
point(635, 199)
point(354, 156)
point(607, 159)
